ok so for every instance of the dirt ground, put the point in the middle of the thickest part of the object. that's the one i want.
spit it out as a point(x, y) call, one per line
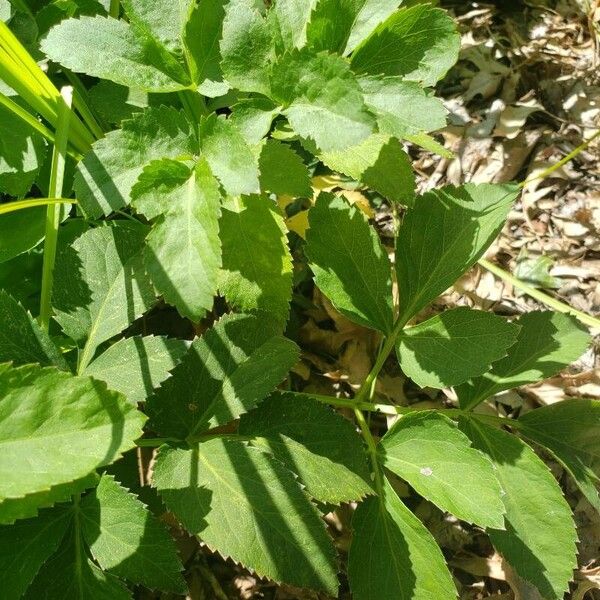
point(524, 94)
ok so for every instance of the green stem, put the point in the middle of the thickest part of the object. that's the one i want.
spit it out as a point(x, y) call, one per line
point(390, 409)
point(365, 389)
point(371, 449)
point(9, 207)
point(561, 163)
point(81, 104)
point(55, 188)
point(113, 10)
point(540, 296)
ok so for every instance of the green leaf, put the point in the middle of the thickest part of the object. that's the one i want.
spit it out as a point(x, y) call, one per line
point(446, 232)
point(56, 428)
point(539, 540)
point(428, 451)
point(225, 373)
point(547, 343)
point(164, 21)
point(322, 99)
point(106, 175)
point(183, 251)
point(283, 172)
point(246, 47)
point(126, 539)
point(330, 24)
point(290, 19)
point(402, 107)
point(247, 506)
point(454, 346)
point(253, 118)
point(21, 155)
point(229, 156)
point(112, 49)
point(393, 555)
point(349, 263)
point(379, 162)
point(13, 509)
point(71, 575)
point(135, 366)
point(371, 14)
point(22, 341)
point(101, 286)
point(571, 431)
point(419, 43)
point(202, 34)
point(257, 265)
point(25, 547)
point(21, 231)
point(320, 446)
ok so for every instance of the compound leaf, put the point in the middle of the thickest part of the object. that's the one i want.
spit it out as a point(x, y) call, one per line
point(25, 547)
point(225, 373)
point(257, 265)
point(445, 233)
point(419, 43)
point(539, 540)
point(403, 108)
point(183, 251)
point(320, 446)
point(379, 162)
point(56, 428)
point(570, 430)
point(126, 539)
point(107, 173)
point(71, 575)
point(393, 555)
point(454, 346)
point(246, 47)
point(322, 99)
point(283, 172)
point(547, 343)
point(290, 19)
point(22, 340)
point(164, 21)
point(229, 156)
point(101, 285)
point(253, 118)
point(135, 366)
point(247, 506)
point(203, 31)
point(114, 50)
point(370, 14)
point(349, 263)
point(428, 451)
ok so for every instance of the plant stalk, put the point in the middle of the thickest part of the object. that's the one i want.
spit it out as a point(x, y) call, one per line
point(561, 163)
point(9, 207)
point(55, 188)
point(539, 295)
